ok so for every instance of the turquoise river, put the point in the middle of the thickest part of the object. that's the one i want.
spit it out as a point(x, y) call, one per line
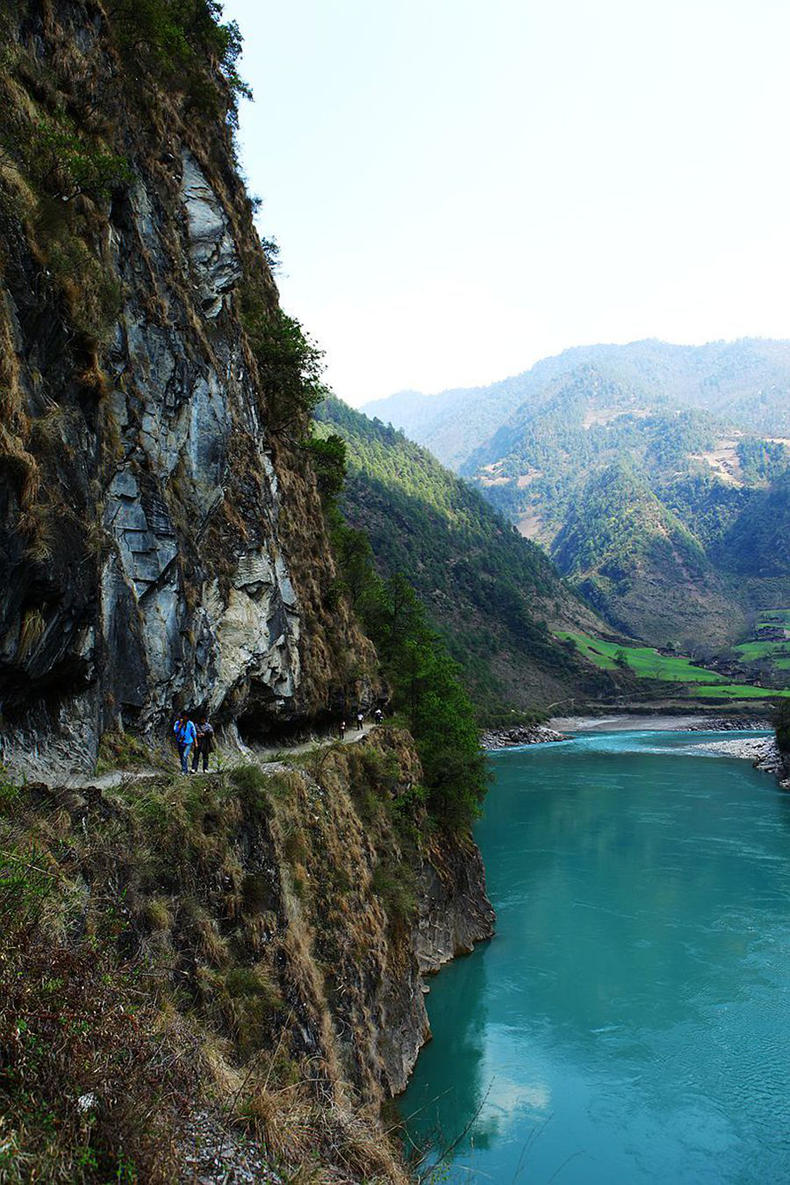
point(630, 1022)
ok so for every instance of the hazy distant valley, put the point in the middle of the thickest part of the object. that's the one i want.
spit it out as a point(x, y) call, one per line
point(657, 477)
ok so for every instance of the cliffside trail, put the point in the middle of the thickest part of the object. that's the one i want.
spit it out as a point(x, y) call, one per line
point(160, 526)
point(208, 977)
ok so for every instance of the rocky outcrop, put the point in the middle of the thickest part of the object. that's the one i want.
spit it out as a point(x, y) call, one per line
point(162, 544)
point(531, 734)
point(453, 915)
point(455, 912)
point(763, 752)
point(773, 761)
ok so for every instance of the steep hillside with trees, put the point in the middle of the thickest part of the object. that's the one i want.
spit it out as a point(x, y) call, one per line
point(747, 381)
point(629, 555)
point(707, 430)
point(494, 597)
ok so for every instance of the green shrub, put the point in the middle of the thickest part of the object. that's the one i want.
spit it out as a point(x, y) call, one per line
point(328, 454)
point(25, 886)
point(289, 363)
point(782, 724)
point(252, 786)
point(183, 44)
point(395, 885)
point(123, 750)
point(58, 160)
point(10, 794)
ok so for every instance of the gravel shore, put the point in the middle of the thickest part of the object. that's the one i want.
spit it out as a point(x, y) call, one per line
point(625, 721)
point(761, 751)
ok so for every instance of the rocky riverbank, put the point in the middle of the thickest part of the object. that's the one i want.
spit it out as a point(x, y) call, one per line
point(728, 724)
point(531, 734)
point(761, 751)
point(656, 722)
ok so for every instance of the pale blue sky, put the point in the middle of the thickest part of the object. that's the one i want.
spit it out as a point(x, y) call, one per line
point(459, 188)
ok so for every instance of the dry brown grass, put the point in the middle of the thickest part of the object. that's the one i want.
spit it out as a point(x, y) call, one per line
point(30, 633)
point(225, 969)
point(74, 1025)
point(334, 1140)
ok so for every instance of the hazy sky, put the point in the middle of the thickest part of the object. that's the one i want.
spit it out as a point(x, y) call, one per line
point(460, 188)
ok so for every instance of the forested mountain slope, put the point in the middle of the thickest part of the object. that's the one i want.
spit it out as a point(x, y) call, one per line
point(748, 380)
point(633, 558)
point(708, 431)
point(493, 595)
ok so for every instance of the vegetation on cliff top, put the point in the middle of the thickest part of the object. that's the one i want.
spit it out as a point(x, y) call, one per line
point(183, 43)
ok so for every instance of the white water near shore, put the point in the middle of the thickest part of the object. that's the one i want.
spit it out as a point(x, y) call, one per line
point(758, 747)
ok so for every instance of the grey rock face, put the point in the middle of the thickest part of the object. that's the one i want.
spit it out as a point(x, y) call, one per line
point(455, 912)
point(246, 630)
point(211, 247)
point(173, 586)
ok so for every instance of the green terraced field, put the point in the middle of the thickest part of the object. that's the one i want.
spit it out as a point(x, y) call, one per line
point(777, 652)
point(768, 617)
point(736, 691)
point(761, 649)
point(645, 662)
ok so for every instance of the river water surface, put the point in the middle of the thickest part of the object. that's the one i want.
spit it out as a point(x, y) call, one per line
point(630, 1023)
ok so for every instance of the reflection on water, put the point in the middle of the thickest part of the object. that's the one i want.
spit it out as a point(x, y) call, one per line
point(629, 1023)
point(462, 1043)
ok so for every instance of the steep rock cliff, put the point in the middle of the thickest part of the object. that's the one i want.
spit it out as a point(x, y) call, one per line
point(195, 972)
point(160, 531)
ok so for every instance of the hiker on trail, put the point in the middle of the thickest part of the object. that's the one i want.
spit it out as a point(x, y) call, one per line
point(204, 743)
point(184, 732)
point(342, 729)
point(360, 719)
point(377, 715)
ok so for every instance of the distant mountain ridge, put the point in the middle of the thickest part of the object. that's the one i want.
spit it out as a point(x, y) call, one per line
point(652, 473)
point(748, 379)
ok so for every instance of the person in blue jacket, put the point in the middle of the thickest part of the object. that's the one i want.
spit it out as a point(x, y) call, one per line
point(185, 733)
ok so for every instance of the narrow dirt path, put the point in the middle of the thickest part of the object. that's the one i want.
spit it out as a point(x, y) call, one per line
point(228, 756)
point(352, 735)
